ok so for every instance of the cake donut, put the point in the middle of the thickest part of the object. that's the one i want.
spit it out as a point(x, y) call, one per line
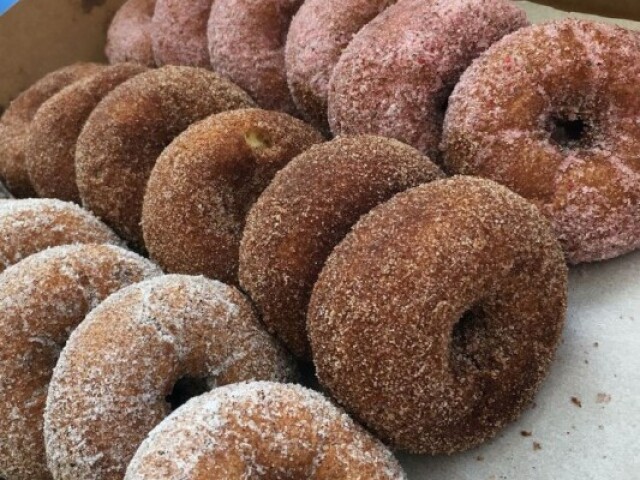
point(51, 146)
point(179, 32)
point(42, 299)
point(436, 319)
point(318, 35)
point(246, 44)
point(205, 182)
point(570, 141)
point(306, 211)
point(129, 35)
point(143, 352)
point(131, 126)
point(281, 431)
point(395, 76)
point(16, 120)
point(30, 226)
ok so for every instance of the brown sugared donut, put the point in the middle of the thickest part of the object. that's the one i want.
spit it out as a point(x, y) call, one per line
point(205, 183)
point(129, 35)
point(42, 299)
point(131, 126)
point(396, 75)
point(318, 35)
point(552, 112)
point(281, 431)
point(436, 319)
point(179, 32)
point(30, 226)
point(246, 44)
point(304, 213)
point(15, 122)
point(143, 352)
point(51, 147)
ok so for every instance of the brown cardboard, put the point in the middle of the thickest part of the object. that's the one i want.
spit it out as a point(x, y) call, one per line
point(629, 9)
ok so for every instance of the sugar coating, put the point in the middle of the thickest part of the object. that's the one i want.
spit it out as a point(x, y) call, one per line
point(42, 299)
point(501, 125)
point(395, 76)
point(436, 319)
point(110, 385)
point(265, 430)
point(32, 225)
point(129, 35)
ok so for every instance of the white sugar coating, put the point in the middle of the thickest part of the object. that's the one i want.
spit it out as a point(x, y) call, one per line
point(30, 226)
point(114, 379)
point(566, 74)
point(265, 430)
point(395, 76)
point(129, 35)
point(42, 299)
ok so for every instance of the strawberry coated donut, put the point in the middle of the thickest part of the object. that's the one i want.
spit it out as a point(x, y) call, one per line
point(42, 299)
point(318, 35)
point(436, 319)
point(143, 352)
point(179, 32)
point(305, 212)
point(205, 182)
point(51, 147)
point(16, 121)
point(129, 35)
point(131, 126)
point(30, 226)
point(281, 431)
point(570, 141)
point(246, 44)
point(396, 75)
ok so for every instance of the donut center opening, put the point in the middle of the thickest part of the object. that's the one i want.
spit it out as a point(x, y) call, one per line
point(570, 133)
point(257, 139)
point(470, 350)
point(185, 389)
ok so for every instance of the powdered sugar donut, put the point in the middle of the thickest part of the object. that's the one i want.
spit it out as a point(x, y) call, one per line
point(42, 299)
point(129, 35)
point(140, 354)
point(281, 431)
point(396, 75)
point(552, 112)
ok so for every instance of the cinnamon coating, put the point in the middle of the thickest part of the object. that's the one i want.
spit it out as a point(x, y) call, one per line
point(129, 35)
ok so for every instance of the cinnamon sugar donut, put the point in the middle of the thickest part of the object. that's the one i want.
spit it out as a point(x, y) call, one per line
point(246, 44)
point(16, 120)
point(179, 32)
point(42, 299)
point(50, 151)
point(30, 226)
point(307, 209)
point(129, 35)
point(142, 352)
point(131, 126)
point(570, 141)
point(205, 182)
point(396, 75)
point(436, 319)
point(281, 431)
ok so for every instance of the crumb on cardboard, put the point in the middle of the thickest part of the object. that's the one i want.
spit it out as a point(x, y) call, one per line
point(576, 401)
point(603, 398)
point(479, 458)
point(537, 446)
point(525, 433)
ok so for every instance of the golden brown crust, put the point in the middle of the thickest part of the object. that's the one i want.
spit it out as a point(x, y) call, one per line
point(436, 319)
point(129, 35)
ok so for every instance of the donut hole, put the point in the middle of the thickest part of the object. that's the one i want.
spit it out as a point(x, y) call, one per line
point(570, 132)
point(258, 139)
point(185, 389)
point(470, 345)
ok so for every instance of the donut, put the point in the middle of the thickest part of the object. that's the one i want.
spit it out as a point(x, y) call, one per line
point(30, 226)
point(246, 44)
point(281, 431)
point(42, 299)
point(436, 319)
point(129, 35)
point(15, 122)
point(205, 182)
point(304, 213)
point(570, 142)
point(396, 75)
point(131, 126)
point(318, 35)
point(143, 352)
point(179, 32)
point(51, 146)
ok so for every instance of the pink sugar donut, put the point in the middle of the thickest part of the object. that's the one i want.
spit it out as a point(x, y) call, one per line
point(129, 36)
point(396, 75)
